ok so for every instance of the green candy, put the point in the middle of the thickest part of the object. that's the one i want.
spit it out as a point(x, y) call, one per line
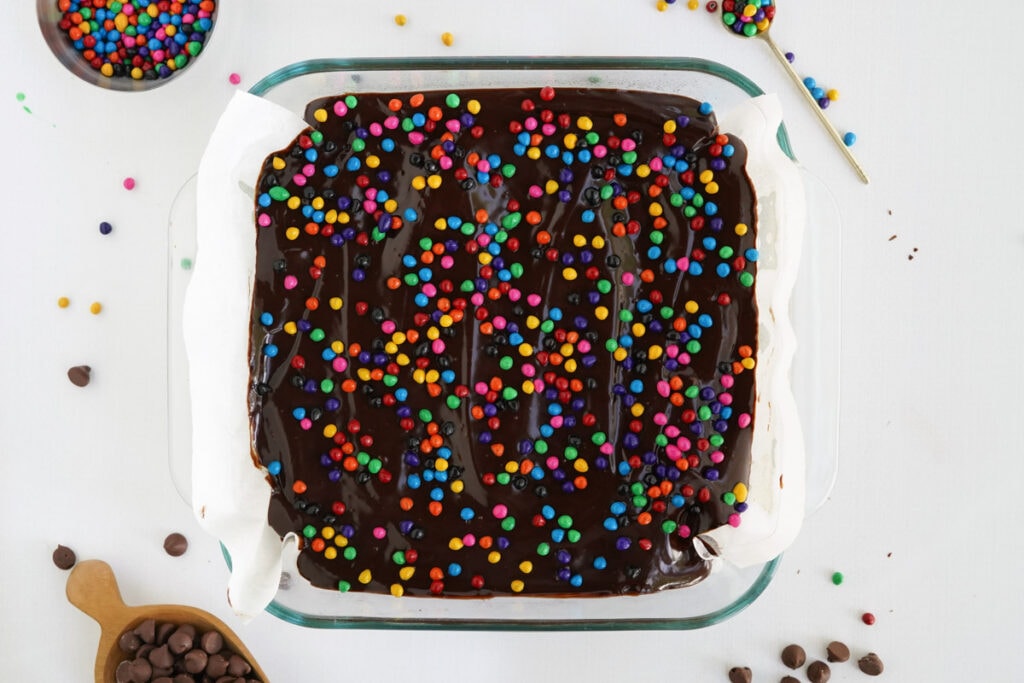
point(508, 524)
point(278, 193)
point(573, 536)
point(511, 220)
point(746, 279)
point(344, 586)
point(349, 553)
point(425, 415)
point(351, 101)
point(194, 47)
point(327, 386)
point(544, 549)
point(363, 458)
point(309, 531)
point(374, 466)
point(452, 100)
point(317, 334)
point(453, 402)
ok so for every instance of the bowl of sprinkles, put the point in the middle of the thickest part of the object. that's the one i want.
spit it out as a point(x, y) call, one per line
point(127, 45)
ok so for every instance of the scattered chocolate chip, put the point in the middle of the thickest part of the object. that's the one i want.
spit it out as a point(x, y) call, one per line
point(740, 674)
point(871, 664)
point(64, 557)
point(837, 652)
point(175, 544)
point(789, 679)
point(818, 672)
point(793, 656)
point(79, 375)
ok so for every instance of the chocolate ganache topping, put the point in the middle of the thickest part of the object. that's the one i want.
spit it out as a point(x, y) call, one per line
point(503, 341)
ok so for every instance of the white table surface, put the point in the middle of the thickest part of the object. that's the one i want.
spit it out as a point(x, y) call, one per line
point(921, 520)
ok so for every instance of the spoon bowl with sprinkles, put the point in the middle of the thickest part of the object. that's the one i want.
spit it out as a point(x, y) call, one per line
point(753, 19)
point(129, 45)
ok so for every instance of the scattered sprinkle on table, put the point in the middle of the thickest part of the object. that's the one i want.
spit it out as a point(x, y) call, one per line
point(868, 618)
point(105, 228)
point(63, 302)
point(129, 183)
point(837, 578)
point(234, 79)
point(447, 38)
point(95, 307)
point(400, 19)
point(849, 139)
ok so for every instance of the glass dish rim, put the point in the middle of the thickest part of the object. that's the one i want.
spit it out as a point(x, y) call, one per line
point(523, 63)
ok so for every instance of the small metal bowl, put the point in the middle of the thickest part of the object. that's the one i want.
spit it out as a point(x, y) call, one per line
point(49, 16)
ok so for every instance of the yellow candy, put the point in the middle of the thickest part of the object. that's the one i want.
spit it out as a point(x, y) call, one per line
point(433, 375)
point(517, 586)
point(344, 217)
point(390, 205)
point(711, 188)
point(580, 465)
point(337, 347)
point(419, 376)
point(457, 486)
point(637, 410)
point(363, 374)
point(365, 577)
point(335, 302)
point(525, 349)
point(511, 467)
point(447, 38)
point(446, 320)
point(669, 126)
point(748, 363)
point(317, 203)
point(330, 431)
point(706, 176)
point(597, 242)
point(95, 307)
point(691, 307)
point(397, 590)
point(418, 183)
point(566, 349)
point(551, 186)
point(620, 355)
point(579, 241)
point(330, 553)
point(655, 209)
point(373, 161)
point(527, 386)
point(455, 543)
point(320, 115)
point(277, 163)
point(494, 557)
point(63, 302)
point(584, 123)
point(532, 322)
point(601, 312)
point(406, 573)
point(741, 229)
point(400, 19)
point(638, 329)
point(533, 153)
point(390, 348)
point(441, 465)
point(473, 107)
point(643, 170)
point(570, 365)
point(292, 233)
point(434, 181)
point(661, 5)
point(398, 337)
point(293, 203)
point(290, 328)
point(526, 566)
point(740, 491)
point(654, 352)
point(569, 274)
point(327, 532)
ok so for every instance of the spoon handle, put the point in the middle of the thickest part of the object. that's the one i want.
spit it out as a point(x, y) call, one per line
point(836, 137)
point(93, 589)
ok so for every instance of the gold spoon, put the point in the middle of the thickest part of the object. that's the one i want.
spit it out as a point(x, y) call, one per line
point(93, 589)
point(752, 19)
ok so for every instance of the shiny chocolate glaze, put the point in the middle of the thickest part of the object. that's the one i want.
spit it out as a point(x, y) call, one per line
point(396, 249)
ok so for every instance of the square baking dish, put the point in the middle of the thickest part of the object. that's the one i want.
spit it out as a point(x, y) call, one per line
point(815, 315)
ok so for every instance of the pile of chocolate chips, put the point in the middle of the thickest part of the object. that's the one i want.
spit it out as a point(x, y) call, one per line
point(793, 656)
point(164, 652)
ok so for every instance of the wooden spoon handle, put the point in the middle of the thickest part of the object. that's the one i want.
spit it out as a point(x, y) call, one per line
point(93, 589)
point(836, 137)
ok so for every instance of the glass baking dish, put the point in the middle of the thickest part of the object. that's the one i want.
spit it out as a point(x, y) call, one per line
point(815, 313)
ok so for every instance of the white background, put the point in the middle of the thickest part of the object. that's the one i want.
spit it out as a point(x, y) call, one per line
point(931, 424)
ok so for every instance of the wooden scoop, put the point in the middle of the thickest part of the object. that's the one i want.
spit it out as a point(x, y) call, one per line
point(93, 589)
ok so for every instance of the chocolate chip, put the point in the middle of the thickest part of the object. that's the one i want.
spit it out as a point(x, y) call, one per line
point(161, 657)
point(79, 375)
point(64, 557)
point(793, 656)
point(789, 679)
point(871, 664)
point(212, 642)
point(182, 640)
point(740, 674)
point(237, 666)
point(164, 631)
point(196, 661)
point(818, 672)
point(146, 630)
point(175, 544)
point(837, 652)
point(123, 673)
point(129, 642)
point(141, 670)
point(217, 666)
